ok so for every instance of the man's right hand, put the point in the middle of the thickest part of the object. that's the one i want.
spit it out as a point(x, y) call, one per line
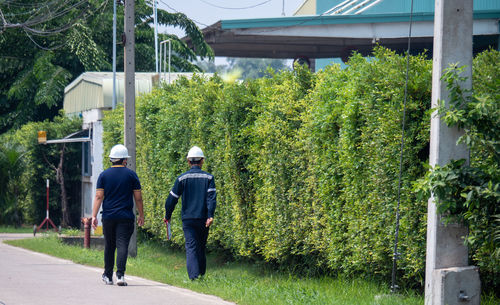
point(94, 223)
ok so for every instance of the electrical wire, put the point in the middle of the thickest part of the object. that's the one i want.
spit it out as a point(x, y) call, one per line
point(42, 47)
point(44, 12)
point(258, 32)
point(57, 14)
point(235, 8)
point(396, 254)
point(173, 9)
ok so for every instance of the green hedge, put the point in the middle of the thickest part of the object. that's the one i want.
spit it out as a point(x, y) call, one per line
point(306, 165)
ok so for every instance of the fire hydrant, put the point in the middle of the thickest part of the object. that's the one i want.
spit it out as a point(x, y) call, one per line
point(87, 223)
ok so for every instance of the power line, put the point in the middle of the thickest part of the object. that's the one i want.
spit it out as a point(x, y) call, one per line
point(173, 9)
point(42, 47)
point(396, 255)
point(44, 12)
point(235, 8)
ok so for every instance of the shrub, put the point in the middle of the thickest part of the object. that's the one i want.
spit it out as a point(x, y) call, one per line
point(306, 165)
point(35, 163)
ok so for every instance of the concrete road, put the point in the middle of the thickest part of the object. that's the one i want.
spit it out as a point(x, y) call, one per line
point(32, 278)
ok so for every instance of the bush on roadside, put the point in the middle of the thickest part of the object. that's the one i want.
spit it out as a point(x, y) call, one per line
point(306, 165)
point(30, 166)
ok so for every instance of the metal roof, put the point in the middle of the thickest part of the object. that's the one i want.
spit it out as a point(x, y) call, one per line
point(94, 90)
point(335, 36)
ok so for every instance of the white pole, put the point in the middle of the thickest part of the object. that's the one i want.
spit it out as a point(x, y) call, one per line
point(163, 59)
point(114, 55)
point(169, 52)
point(47, 213)
point(160, 61)
point(156, 33)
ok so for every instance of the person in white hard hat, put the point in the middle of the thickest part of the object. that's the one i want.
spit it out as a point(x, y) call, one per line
point(197, 189)
point(117, 187)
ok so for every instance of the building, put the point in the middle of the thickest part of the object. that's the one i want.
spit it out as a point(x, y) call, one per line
point(322, 30)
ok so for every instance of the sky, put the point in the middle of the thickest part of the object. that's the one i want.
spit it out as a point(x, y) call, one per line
point(208, 12)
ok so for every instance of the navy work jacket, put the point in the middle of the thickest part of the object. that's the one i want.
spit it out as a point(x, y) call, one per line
point(197, 189)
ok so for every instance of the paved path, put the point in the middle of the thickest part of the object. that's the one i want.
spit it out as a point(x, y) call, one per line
point(32, 278)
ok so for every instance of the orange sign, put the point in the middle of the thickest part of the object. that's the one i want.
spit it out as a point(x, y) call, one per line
point(42, 137)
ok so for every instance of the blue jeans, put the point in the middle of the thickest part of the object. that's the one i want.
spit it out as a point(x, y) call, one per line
point(117, 233)
point(196, 235)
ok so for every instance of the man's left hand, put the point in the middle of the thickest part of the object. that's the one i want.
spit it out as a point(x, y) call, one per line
point(209, 222)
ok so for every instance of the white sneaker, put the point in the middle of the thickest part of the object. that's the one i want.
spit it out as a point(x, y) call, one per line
point(106, 280)
point(121, 281)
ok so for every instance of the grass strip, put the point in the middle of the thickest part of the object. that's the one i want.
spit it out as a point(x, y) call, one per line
point(239, 282)
point(242, 283)
point(12, 229)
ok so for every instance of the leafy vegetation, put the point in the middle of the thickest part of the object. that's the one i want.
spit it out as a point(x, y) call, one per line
point(471, 192)
point(15, 229)
point(246, 67)
point(46, 44)
point(25, 167)
point(306, 165)
point(10, 171)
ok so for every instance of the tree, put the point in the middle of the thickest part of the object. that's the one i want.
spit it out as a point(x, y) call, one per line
point(249, 68)
point(11, 168)
point(209, 66)
point(29, 164)
point(256, 67)
point(46, 44)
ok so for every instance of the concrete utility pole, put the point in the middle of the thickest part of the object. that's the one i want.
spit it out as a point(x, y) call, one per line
point(448, 278)
point(129, 103)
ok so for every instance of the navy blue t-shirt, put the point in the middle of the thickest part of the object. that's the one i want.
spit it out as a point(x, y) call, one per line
point(119, 184)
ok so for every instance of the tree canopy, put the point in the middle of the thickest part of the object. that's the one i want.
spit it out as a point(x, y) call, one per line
point(46, 44)
point(248, 68)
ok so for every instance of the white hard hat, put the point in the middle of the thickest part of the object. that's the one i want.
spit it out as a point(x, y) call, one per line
point(119, 151)
point(195, 153)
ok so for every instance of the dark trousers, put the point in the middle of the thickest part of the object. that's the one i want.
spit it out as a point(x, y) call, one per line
point(196, 235)
point(117, 233)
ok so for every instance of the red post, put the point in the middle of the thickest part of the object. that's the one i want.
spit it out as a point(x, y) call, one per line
point(86, 228)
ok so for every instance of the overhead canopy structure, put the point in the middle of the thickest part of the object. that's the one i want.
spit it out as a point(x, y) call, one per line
point(335, 36)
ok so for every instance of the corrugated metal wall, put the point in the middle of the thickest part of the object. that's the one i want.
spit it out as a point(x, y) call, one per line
point(86, 95)
point(482, 5)
point(403, 6)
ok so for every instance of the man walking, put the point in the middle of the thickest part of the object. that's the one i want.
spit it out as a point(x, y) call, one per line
point(197, 189)
point(117, 187)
